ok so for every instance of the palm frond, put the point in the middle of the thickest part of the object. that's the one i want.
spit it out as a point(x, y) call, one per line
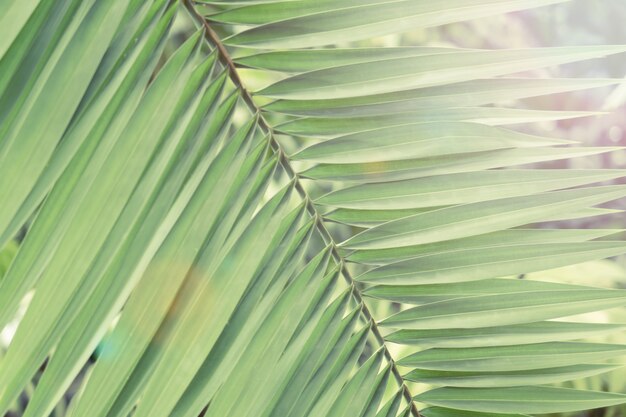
point(172, 235)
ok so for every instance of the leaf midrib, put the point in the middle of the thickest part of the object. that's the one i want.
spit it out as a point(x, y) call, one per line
point(224, 56)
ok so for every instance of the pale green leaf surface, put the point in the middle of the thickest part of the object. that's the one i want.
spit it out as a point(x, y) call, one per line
point(504, 309)
point(428, 293)
point(446, 412)
point(323, 22)
point(478, 218)
point(382, 170)
point(512, 358)
point(354, 395)
point(12, 20)
point(252, 311)
point(326, 384)
point(180, 248)
point(133, 387)
point(190, 344)
point(61, 207)
point(262, 358)
point(34, 133)
point(369, 218)
point(81, 337)
point(332, 333)
point(507, 379)
point(461, 188)
point(116, 98)
point(391, 408)
point(34, 46)
point(74, 255)
point(487, 240)
point(400, 74)
point(419, 140)
point(334, 400)
point(533, 399)
point(305, 60)
point(494, 116)
point(315, 372)
point(469, 93)
point(519, 334)
point(498, 261)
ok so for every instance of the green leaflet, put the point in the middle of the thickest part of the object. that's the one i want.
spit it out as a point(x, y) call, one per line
point(243, 2)
point(382, 170)
point(428, 293)
point(184, 347)
point(520, 399)
point(116, 97)
point(519, 334)
point(332, 331)
point(304, 60)
point(14, 16)
point(446, 412)
point(468, 93)
point(362, 390)
point(512, 358)
point(7, 253)
point(487, 240)
point(35, 46)
point(497, 261)
point(391, 408)
point(321, 23)
point(504, 309)
point(507, 378)
point(478, 218)
point(29, 347)
point(330, 127)
point(250, 314)
point(262, 360)
point(420, 140)
point(400, 74)
point(369, 218)
point(132, 388)
point(59, 211)
point(338, 401)
point(341, 352)
point(463, 188)
point(327, 383)
point(111, 291)
point(178, 252)
point(35, 131)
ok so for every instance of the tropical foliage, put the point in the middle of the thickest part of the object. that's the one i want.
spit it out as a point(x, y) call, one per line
point(195, 245)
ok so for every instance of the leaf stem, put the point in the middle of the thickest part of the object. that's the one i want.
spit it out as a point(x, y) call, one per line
point(226, 60)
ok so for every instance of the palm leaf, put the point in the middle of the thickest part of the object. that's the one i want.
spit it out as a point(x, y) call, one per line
point(172, 238)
